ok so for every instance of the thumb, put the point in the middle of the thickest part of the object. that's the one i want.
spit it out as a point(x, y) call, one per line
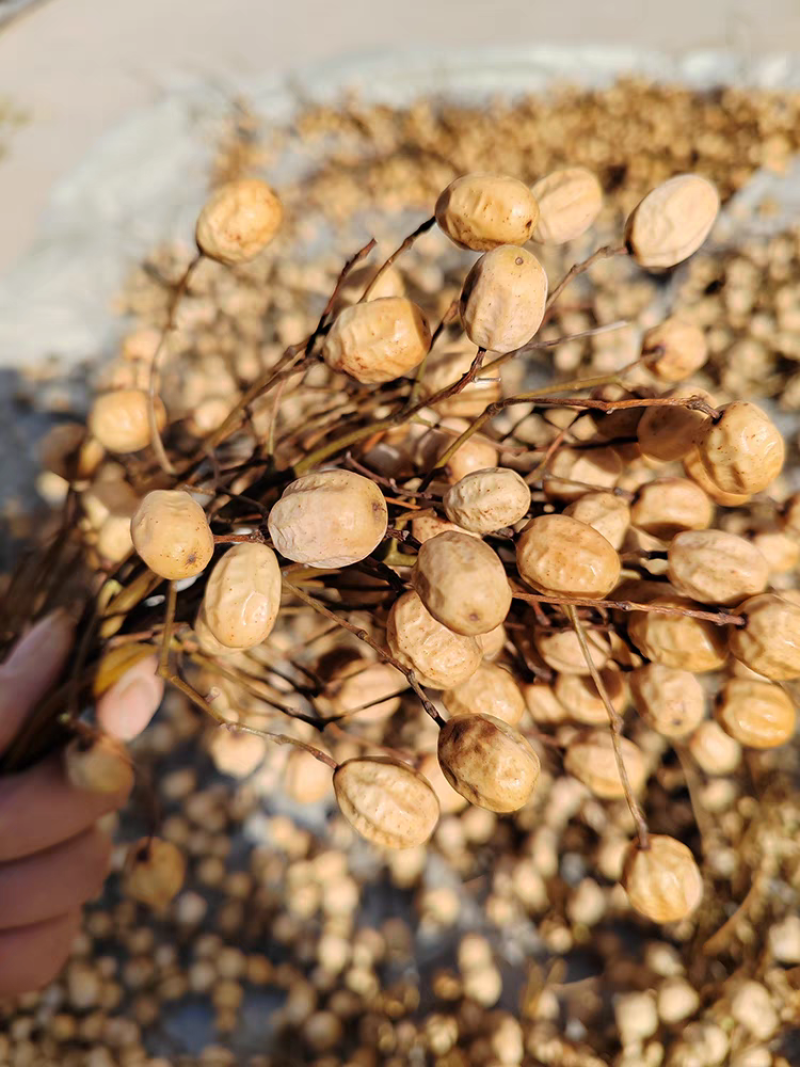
point(129, 705)
point(31, 671)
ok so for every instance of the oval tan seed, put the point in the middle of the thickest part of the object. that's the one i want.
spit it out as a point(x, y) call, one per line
point(693, 465)
point(716, 567)
point(670, 700)
point(591, 759)
point(171, 534)
point(449, 367)
point(716, 752)
point(679, 641)
point(667, 506)
point(663, 882)
point(743, 452)
point(329, 519)
point(503, 299)
point(481, 211)
point(561, 650)
point(757, 714)
point(569, 201)
point(243, 596)
point(488, 762)
point(154, 872)
point(462, 583)
point(439, 658)
point(667, 433)
point(238, 221)
point(558, 554)
point(769, 641)
point(98, 765)
point(491, 691)
point(582, 701)
point(675, 349)
point(672, 221)
point(607, 513)
point(377, 341)
point(386, 801)
point(120, 420)
point(487, 500)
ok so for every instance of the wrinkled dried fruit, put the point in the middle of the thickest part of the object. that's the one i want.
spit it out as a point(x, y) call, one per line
point(462, 583)
point(558, 554)
point(573, 471)
point(481, 211)
point(674, 349)
point(98, 765)
point(329, 519)
point(757, 714)
point(581, 700)
point(120, 420)
point(243, 596)
point(591, 759)
point(487, 500)
point(238, 221)
point(569, 201)
point(488, 762)
point(154, 872)
point(667, 433)
point(667, 506)
point(561, 650)
point(714, 750)
point(503, 299)
point(449, 367)
point(672, 701)
point(306, 779)
point(605, 512)
point(672, 221)
point(490, 691)
point(439, 658)
point(715, 567)
point(693, 465)
point(171, 534)
point(743, 452)
point(362, 682)
point(377, 341)
point(678, 640)
point(663, 882)
point(386, 801)
point(769, 641)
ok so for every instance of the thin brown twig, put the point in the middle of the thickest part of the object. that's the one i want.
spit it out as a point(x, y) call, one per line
point(409, 241)
point(720, 618)
point(578, 268)
point(616, 723)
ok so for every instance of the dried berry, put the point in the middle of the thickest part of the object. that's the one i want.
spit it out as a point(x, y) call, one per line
point(693, 465)
point(243, 596)
point(386, 801)
point(561, 650)
point(560, 555)
point(238, 221)
point(329, 519)
point(607, 513)
point(487, 500)
point(663, 882)
point(757, 714)
point(503, 299)
point(120, 420)
point(742, 452)
point(154, 872)
point(670, 700)
point(579, 696)
point(377, 341)
point(439, 658)
point(714, 750)
point(488, 762)
point(769, 641)
point(672, 221)
point(449, 367)
point(667, 433)
point(716, 567)
point(98, 765)
point(679, 641)
point(171, 534)
point(491, 691)
point(569, 201)
point(674, 350)
point(481, 211)
point(667, 506)
point(592, 760)
point(462, 583)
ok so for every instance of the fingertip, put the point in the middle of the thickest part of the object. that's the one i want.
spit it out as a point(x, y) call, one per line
point(129, 705)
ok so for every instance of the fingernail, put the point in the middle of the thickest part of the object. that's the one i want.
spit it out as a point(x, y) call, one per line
point(129, 706)
point(49, 638)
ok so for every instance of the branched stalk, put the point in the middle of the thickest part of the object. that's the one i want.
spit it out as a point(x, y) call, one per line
point(615, 722)
point(578, 268)
point(720, 618)
point(409, 241)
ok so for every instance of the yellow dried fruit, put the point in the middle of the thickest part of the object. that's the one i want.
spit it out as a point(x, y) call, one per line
point(481, 211)
point(605, 512)
point(377, 341)
point(716, 567)
point(781, 551)
point(591, 759)
point(769, 641)
point(715, 751)
point(757, 714)
point(120, 420)
point(491, 691)
point(154, 872)
point(448, 367)
point(243, 595)
point(663, 882)
point(543, 704)
point(693, 465)
point(306, 779)
point(439, 658)
point(363, 682)
point(675, 349)
point(98, 765)
point(206, 641)
point(329, 519)
point(238, 221)
point(743, 451)
point(450, 802)
point(68, 451)
point(574, 472)
point(672, 221)
point(493, 643)
point(170, 532)
point(667, 506)
point(462, 583)
point(424, 527)
point(569, 201)
point(503, 299)
point(558, 554)
point(579, 695)
point(386, 801)
point(487, 500)
point(670, 700)
point(561, 650)
point(488, 762)
point(114, 542)
point(667, 433)
point(678, 640)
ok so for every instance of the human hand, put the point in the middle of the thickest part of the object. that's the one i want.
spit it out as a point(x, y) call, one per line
point(53, 856)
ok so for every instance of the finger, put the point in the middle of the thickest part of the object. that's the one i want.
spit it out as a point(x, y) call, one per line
point(32, 670)
point(32, 956)
point(51, 883)
point(39, 809)
point(128, 706)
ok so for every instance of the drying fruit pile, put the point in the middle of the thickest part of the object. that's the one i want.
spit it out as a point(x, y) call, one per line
point(444, 597)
